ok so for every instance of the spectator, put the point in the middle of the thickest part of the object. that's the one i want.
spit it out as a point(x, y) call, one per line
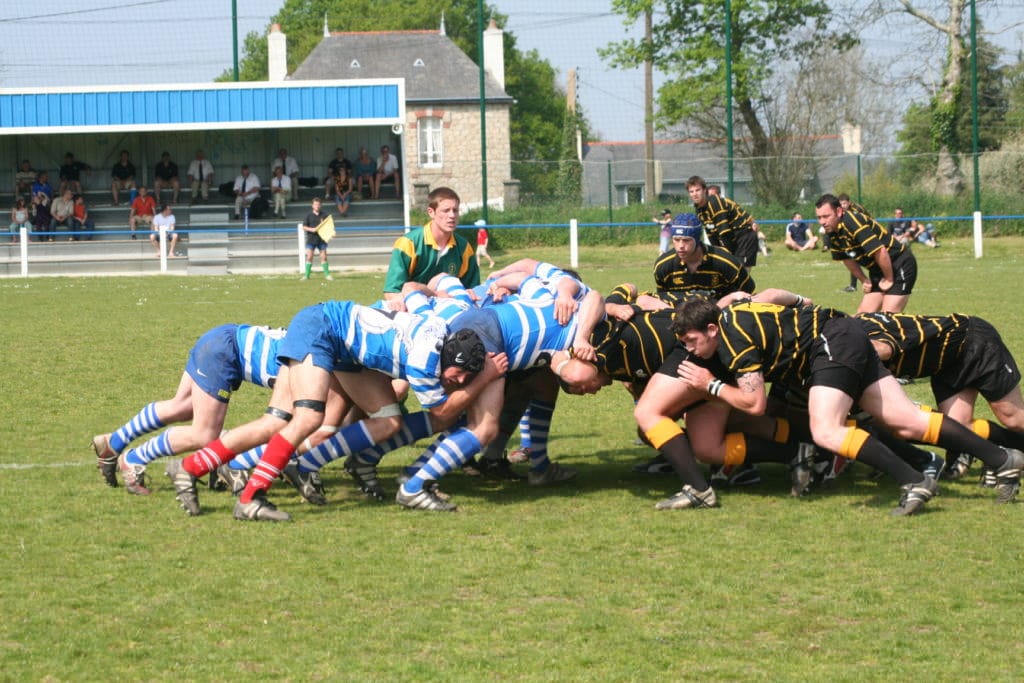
point(798, 236)
point(61, 211)
point(364, 169)
point(80, 221)
point(166, 175)
point(200, 176)
point(70, 174)
point(42, 194)
point(903, 229)
point(925, 234)
point(280, 189)
point(123, 177)
point(143, 208)
point(24, 178)
point(762, 240)
point(247, 189)
point(291, 169)
point(334, 171)
point(482, 240)
point(19, 219)
point(387, 167)
point(164, 219)
point(313, 240)
point(665, 235)
point(343, 191)
point(715, 190)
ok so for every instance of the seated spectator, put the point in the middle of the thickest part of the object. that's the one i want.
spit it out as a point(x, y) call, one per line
point(122, 176)
point(762, 240)
point(280, 190)
point(365, 168)
point(200, 177)
point(166, 175)
point(925, 234)
point(24, 178)
point(143, 208)
point(164, 219)
point(247, 189)
point(291, 169)
point(334, 168)
point(387, 167)
point(70, 174)
point(798, 236)
point(42, 194)
point(80, 221)
point(19, 219)
point(343, 192)
point(903, 229)
point(61, 211)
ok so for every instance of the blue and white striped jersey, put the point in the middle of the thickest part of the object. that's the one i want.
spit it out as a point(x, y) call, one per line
point(257, 352)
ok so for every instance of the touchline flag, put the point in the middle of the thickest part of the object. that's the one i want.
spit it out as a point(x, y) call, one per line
point(326, 228)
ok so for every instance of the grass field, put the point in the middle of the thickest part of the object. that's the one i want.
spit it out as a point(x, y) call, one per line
point(583, 582)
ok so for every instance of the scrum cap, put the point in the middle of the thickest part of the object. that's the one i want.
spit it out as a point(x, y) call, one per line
point(463, 349)
point(687, 225)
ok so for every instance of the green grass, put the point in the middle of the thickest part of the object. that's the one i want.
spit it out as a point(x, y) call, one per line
point(582, 582)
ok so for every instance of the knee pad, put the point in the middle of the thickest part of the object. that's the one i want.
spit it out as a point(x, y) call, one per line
point(390, 410)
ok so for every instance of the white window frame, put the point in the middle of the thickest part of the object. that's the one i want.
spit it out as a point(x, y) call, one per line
point(430, 137)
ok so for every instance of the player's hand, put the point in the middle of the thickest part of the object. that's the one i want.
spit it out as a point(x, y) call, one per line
point(884, 285)
point(694, 375)
point(866, 287)
point(584, 351)
point(495, 366)
point(619, 311)
point(565, 306)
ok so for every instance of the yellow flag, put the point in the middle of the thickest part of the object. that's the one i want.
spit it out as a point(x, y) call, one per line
point(326, 228)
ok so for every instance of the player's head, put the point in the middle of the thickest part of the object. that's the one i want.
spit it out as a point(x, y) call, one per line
point(828, 210)
point(687, 225)
point(463, 350)
point(697, 188)
point(695, 323)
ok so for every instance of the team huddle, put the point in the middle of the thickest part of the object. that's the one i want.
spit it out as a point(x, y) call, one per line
point(755, 376)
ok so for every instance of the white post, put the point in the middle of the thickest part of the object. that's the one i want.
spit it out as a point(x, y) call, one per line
point(574, 243)
point(977, 234)
point(24, 252)
point(302, 248)
point(163, 248)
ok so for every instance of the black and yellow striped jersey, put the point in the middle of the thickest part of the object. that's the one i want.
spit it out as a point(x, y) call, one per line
point(724, 220)
point(771, 339)
point(859, 237)
point(633, 350)
point(922, 345)
point(719, 273)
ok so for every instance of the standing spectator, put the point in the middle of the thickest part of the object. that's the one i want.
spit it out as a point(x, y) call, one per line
point(24, 178)
point(123, 177)
point(343, 191)
point(61, 211)
point(387, 167)
point(164, 219)
point(291, 169)
point(280, 189)
point(727, 224)
point(313, 240)
point(665, 234)
point(200, 176)
point(19, 219)
point(247, 189)
point(80, 221)
point(166, 175)
point(482, 240)
point(70, 174)
point(334, 171)
point(798, 237)
point(902, 229)
point(143, 208)
point(364, 169)
point(42, 195)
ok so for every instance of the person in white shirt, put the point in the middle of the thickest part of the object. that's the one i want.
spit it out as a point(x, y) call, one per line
point(200, 176)
point(291, 169)
point(164, 219)
point(387, 167)
point(281, 189)
point(247, 188)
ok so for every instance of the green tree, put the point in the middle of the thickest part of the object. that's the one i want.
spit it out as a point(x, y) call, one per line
point(535, 135)
point(688, 46)
point(570, 170)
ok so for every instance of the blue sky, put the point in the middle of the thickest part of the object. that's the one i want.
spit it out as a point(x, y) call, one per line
point(85, 43)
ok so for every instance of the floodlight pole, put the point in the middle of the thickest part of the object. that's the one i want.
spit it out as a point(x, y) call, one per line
point(974, 130)
point(234, 34)
point(728, 98)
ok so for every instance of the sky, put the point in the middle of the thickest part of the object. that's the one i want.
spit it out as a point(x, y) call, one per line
point(176, 41)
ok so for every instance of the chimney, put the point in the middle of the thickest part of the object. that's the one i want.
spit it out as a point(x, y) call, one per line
point(494, 53)
point(277, 54)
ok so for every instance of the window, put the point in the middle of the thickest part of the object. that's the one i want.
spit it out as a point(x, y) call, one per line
point(430, 141)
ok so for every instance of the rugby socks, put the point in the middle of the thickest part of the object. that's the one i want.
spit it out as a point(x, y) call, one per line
point(415, 426)
point(309, 269)
point(998, 434)
point(669, 439)
point(741, 448)
point(349, 440)
point(953, 436)
point(279, 452)
point(144, 422)
point(861, 446)
point(540, 413)
point(451, 454)
point(157, 447)
point(524, 430)
point(247, 460)
point(207, 459)
point(424, 457)
point(326, 268)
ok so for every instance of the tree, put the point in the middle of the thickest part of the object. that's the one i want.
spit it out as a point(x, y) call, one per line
point(688, 45)
point(570, 170)
point(539, 104)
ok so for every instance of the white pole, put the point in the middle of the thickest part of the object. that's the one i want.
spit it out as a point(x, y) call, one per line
point(24, 252)
point(302, 248)
point(977, 234)
point(163, 248)
point(574, 243)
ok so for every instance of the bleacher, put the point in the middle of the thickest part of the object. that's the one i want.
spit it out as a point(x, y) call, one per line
point(210, 241)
